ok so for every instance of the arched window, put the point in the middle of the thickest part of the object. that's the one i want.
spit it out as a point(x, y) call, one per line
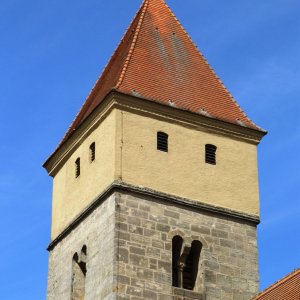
point(78, 275)
point(77, 167)
point(190, 271)
point(92, 152)
point(162, 141)
point(83, 251)
point(210, 154)
point(177, 244)
point(185, 262)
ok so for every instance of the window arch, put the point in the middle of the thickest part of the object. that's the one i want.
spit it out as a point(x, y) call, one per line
point(83, 252)
point(177, 244)
point(190, 271)
point(78, 278)
point(162, 141)
point(210, 154)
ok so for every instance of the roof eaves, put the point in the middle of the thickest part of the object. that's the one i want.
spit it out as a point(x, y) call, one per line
point(260, 133)
point(71, 134)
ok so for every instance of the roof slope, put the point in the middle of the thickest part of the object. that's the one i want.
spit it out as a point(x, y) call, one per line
point(287, 288)
point(157, 60)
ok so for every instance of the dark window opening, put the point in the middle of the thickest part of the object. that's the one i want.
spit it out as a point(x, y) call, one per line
point(190, 271)
point(210, 154)
point(185, 262)
point(92, 152)
point(77, 167)
point(162, 141)
point(83, 251)
point(78, 275)
point(177, 243)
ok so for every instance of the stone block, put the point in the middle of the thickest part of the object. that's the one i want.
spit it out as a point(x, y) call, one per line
point(147, 294)
point(200, 229)
point(145, 273)
point(133, 220)
point(136, 250)
point(219, 233)
point(134, 291)
point(162, 227)
point(165, 267)
point(171, 214)
point(158, 244)
point(227, 243)
point(138, 260)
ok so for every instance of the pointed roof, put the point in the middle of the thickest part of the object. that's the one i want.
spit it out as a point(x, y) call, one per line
point(287, 288)
point(157, 60)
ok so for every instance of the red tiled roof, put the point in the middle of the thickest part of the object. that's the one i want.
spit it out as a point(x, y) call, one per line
point(287, 288)
point(156, 60)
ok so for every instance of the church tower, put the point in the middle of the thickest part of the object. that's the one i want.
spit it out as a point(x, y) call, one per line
point(155, 184)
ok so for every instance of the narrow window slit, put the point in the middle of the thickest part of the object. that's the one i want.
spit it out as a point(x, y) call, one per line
point(92, 152)
point(77, 167)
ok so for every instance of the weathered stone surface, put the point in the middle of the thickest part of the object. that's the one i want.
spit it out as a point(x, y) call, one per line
point(224, 261)
point(129, 253)
point(181, 294)
point(97, 232)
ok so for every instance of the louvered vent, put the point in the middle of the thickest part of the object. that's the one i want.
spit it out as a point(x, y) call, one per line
point(77, 167)
point(162, 141)
point(210, 154)
point(92, 152)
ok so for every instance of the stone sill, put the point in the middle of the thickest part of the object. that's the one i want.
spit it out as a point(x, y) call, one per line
point(182, 294)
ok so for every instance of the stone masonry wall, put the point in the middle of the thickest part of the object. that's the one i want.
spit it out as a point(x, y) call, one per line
point(97, 233)
point(145, 228)
point(129, 252)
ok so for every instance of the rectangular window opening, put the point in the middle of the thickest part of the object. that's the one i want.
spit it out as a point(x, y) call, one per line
point(77, 167)
point(210, 154)
point(92, 152)
point(162, 142)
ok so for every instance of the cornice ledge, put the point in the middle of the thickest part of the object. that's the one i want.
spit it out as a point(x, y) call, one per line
point(115, 99)
point(185, 116)
point(118, 186)
point(187, 202)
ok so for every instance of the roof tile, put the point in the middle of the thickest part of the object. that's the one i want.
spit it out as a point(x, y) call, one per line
point(287, 288)
point(157, 60)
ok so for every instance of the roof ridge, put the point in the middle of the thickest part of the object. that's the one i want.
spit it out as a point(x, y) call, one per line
point(129, 61)
point(144, 7)
point(278, 283)
point(206, 61)
point(84, 106)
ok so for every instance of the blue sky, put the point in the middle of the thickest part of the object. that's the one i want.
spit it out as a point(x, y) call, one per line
point(51, 53)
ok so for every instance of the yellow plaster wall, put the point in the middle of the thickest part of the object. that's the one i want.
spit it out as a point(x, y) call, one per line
point(126, 150)
point(72, 195)
point(232, 183)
